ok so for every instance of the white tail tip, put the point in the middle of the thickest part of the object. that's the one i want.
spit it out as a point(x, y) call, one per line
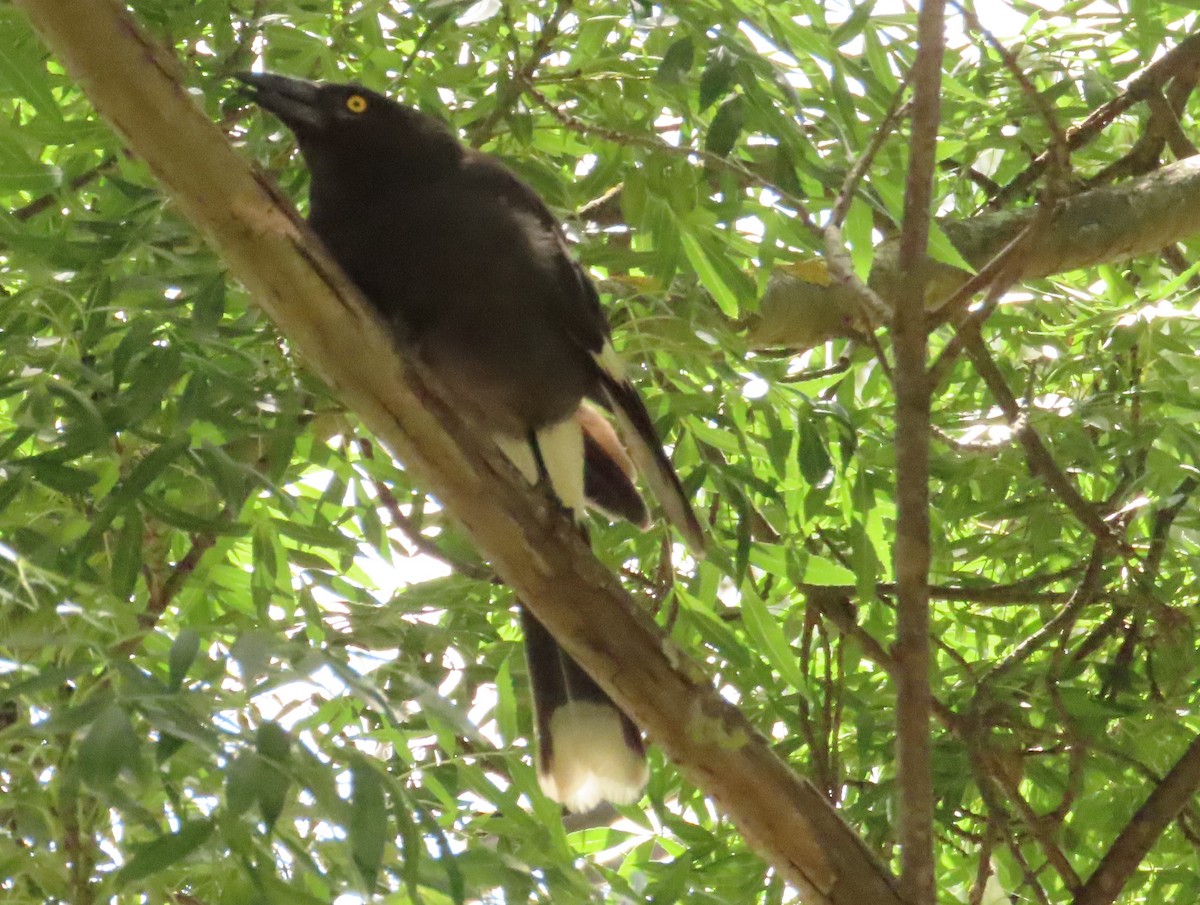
point(591, 759)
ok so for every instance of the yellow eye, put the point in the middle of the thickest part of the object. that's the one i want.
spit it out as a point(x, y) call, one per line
point(356, 103)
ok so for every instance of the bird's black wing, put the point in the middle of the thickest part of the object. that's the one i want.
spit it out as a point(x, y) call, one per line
point(578, 307)
point(580, 316)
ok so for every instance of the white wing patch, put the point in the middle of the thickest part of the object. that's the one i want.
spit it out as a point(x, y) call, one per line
point(561, 448)
point(610, 363)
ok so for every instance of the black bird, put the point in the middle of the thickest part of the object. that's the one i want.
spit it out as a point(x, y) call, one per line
point(472, 270)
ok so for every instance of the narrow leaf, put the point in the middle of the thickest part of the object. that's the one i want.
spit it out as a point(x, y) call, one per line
point(676, 62)
point(772, 644)
point(241, 782)
point(274, 745)
point(63, 478)
point(812, 455)
point(127, 555)
point(164, 851)
point(717, 78)
point(181, 656)
point(723, 294)
point(726, 127)
point(368, 829)
point(109, 747)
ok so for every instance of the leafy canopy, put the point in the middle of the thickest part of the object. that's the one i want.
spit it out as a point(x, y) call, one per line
point(247, 661)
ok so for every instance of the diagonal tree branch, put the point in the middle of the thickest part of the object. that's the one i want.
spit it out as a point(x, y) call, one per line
point(137, 86)
point(1041, 462)
point(522, 75)
point(1165, 803)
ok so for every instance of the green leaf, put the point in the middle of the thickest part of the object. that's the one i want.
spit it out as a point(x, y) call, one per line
point(718, 77)
point(23, 72)
point(19, 172)
point(167, 745)
point(139, 478)
point(274, 746)
point(942, 250)
point(676, 62)
point(726, 127)
point(181, 656)
point(812, 455)
point(663, 226)
point(859, 232)
point(723, 294)
point(208, 306)
point(368, 827)
point(48, 677)
point(770, 643)
point(860, 16)
point(506, 703)
point(85, 429)
point(633, 196)
point(127, 556)
point(252, 654)
point(63, 478)
point(109, 747)
point(151, 857)
point(241, 782)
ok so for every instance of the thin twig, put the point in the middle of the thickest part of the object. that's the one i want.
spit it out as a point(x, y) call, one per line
point(1059, 152)
point(162, 594)
point(897, 109)
point(1037, 455)
point(412, 533)
point(1164, 518)
point(47, 201)
point(983, 871)
point(1162, 128)
point(1058, 625)
point(998, 814)
point(972, 324)
point(837, 255)
point(1037, 827)
point(522, 75)
point(841, 366)
point(796, 204)
point(1019, 593)
point(1152, 78)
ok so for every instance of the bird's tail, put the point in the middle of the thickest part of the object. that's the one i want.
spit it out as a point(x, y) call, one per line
point(641, 440)
point(589, 751)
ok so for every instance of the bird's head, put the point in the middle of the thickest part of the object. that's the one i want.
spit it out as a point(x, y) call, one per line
point(348, 129)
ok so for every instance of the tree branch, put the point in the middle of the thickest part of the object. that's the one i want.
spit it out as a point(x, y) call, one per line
point(1179, 58)
point(911, 552)
point(136, 85)
point(1165, 803)
point(522, 75)
point(1103, 225)
point(1041, 462)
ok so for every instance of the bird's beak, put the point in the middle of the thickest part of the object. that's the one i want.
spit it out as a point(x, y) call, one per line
point(295, 101)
